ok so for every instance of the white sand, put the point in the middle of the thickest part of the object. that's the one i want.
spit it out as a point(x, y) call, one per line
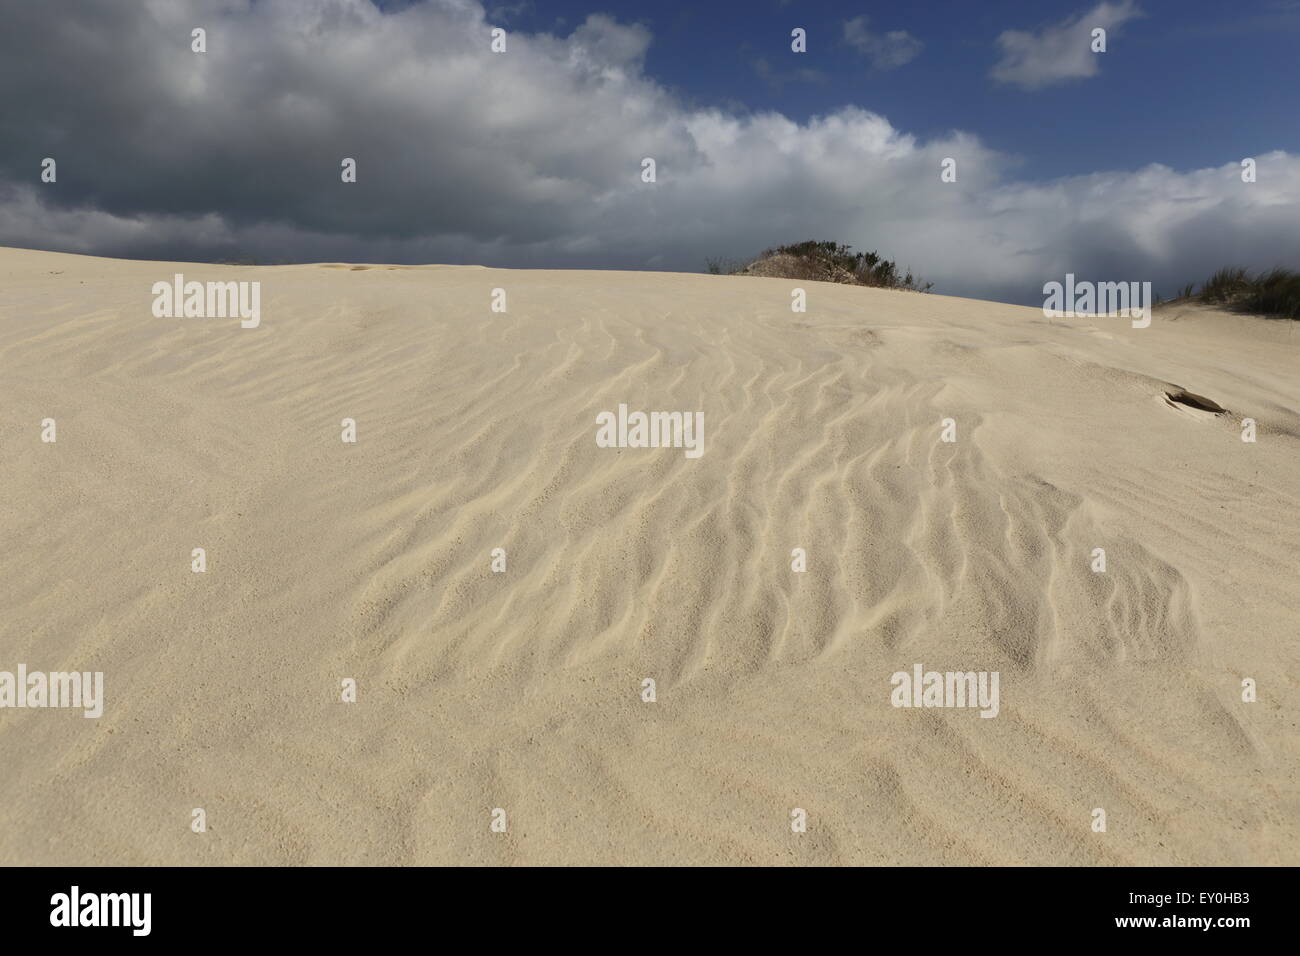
point(521, 690)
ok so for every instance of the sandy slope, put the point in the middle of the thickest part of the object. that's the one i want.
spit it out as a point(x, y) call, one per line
point(522, 690)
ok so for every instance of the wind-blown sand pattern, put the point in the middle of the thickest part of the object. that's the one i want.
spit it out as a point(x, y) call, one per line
point(521, 690)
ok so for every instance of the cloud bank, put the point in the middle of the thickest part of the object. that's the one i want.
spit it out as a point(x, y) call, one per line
point(532, 157)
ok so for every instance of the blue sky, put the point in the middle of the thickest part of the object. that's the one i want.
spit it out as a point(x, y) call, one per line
point(1119, 166)
point(1187, 83)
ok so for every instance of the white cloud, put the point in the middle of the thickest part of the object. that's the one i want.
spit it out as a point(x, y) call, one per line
point(1061, 52)
point(533, 158)
point(886, 51)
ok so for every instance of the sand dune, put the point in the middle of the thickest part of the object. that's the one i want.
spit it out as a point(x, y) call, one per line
point(522, 690)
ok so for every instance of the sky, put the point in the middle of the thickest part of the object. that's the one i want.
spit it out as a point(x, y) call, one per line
point(1122, 165)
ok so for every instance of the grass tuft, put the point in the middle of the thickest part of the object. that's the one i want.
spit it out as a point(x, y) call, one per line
point(1273, 293)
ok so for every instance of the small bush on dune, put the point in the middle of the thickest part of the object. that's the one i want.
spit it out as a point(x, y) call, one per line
point(827, 261)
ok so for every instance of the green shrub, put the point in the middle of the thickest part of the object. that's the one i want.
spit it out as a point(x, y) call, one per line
point(828, 261)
